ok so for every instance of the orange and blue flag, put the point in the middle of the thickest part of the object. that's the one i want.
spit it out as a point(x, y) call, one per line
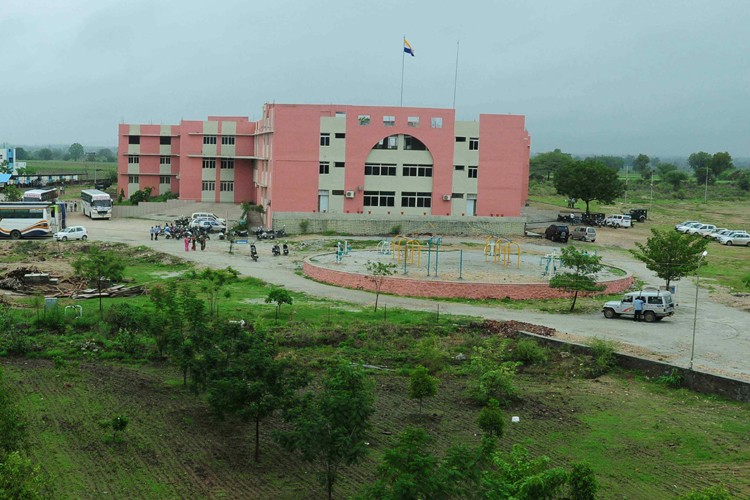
point(407, 48)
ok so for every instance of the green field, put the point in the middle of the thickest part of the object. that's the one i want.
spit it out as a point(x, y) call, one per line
point(643, 439)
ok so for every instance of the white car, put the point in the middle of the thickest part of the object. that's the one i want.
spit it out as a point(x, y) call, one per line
point(209, 225)
point(618, 220)
point(737, 238)
point(207, 215)
point(726, 232)
point(657, 304)
point(72, 233)
point(711, 234)
point(700, 229)
point(677, 226)
point(687, 227)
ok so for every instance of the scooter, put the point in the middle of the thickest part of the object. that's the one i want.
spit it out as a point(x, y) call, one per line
point(286, 249)
point(276, 250)
point(253, 253)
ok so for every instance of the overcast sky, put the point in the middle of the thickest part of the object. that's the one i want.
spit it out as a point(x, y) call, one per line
point(666, 77)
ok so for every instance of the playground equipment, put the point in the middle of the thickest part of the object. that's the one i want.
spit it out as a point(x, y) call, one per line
point(384, 247)
point(506, 253)
point(550, 260)
point(342, 250)
point(412, 247)
point(77, 311)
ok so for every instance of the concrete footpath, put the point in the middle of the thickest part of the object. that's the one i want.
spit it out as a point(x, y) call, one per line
point(722, 334)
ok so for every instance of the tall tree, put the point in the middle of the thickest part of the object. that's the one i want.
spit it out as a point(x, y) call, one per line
point(22, 154)
point(641, 165)
point(329, 427)
point(279, 296)
point(105, 155)
point(45, 154)
point(701, 164)
point(75, 151)
point(589, 180)
point(99, 265)
point(12, 193)
point(582, 275)
point(614, 162)
point(544, 165)
point(664, 168)
point(5, 168)
point(422, 385)
point(720, 163)
point(671, 255)
point(253, 382)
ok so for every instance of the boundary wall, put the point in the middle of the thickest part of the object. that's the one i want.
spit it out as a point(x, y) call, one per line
point(369, 224)
point(450, 289)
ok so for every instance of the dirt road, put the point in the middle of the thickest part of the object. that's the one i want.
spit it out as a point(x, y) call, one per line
point(722, 338)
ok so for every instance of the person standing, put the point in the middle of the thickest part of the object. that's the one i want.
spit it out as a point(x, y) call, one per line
point(187, 243)
point(638, 308)
point(152, 233)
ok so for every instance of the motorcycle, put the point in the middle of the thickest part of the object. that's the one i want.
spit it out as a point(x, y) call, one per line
point(276, 250)
point(286, 249)
point(264, 234)
point(253, 253)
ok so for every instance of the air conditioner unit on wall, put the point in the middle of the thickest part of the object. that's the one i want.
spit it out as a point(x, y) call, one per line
point(446, 197)
point(349, 194)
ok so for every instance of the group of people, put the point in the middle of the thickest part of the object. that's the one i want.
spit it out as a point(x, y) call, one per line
point(572, 202)
point(191, 238)
point(71, 206)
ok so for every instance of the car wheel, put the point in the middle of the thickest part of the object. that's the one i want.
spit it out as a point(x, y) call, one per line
point(642, 219)
point(649, 316)
point(15, 234)
point(617, 226)
point(65, 238)
point(609, 313)
point(84, 237)
point(729, 243)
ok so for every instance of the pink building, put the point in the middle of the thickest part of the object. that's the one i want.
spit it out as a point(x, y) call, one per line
point(370, 160)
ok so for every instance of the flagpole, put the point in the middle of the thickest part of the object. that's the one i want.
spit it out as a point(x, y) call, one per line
point(455, 80)
point(403, 53)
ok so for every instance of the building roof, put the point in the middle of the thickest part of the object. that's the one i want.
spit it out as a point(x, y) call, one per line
point(4, 178)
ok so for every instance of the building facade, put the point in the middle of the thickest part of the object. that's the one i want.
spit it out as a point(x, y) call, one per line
point(385, 161)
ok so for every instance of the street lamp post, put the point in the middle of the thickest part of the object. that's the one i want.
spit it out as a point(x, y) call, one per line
point(651, 200)
point(705, 192)
point(695, 311)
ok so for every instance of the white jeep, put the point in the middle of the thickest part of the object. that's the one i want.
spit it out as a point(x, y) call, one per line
point(657, 304)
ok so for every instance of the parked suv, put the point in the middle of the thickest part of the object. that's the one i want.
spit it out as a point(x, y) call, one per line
point(618, 220)
point(639, 214)
point(557, 232)
point(657, 305)
point(584, 234)
point(208, 215)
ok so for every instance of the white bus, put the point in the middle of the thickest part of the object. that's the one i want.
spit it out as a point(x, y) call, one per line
point(25, 220)
point(41, 195)
point(96, 204)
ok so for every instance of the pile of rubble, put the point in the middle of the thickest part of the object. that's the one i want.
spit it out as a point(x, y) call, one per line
point(31, 281)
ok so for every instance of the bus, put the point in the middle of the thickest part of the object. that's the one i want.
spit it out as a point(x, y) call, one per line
point(96, 204)
point(41, 195)
point(25, 220)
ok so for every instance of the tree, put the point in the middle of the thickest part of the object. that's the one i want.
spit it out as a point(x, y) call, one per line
point(75, 151)
point(665, 168)
point(589, 180)
point(582, 482)
point(544, 165)
point(422, 385)
point(675, 178)
point(106, 155)
point(330, 427)
point(99, 265)
point(616, 163)
point(671, 255)
point(45, 154)
point(641, 165)
point(254, 382)
point(743, 180)
point(701, 164)
point(280, 296)
point(491, 419)
point(12, 193)
point(379, 271)
point(4, 168)
point(22, 154)
point(21, 479)
point(582, 278)
point(720, 163)
point(212, 282)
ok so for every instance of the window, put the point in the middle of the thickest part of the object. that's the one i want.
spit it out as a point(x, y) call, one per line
point(165, 160)
point(363, 120)
point(209, 139)
point(325, 139)
point(337, 192)
point(460, 139)
point(458, 168)
point(165, 179)
point(227, 163)
point(324, 167)
point(390, 142)
point(412, 121)
point(379, 198)
point(339, 164)
point(226, 186)
point(422, 200)
point(134, 139)
point(472, 172)
point(413, 144)
point(209, 163)
point(340, 135)
point(417, 171)
point(133, 179)
point(457, 195)
point(340, 114)
point(165, 140)
point(474, 143)
point(134, 160)
point(436, 122)
point(227, 140)
point(378, 169)
point(209, 185)
point(389, 121)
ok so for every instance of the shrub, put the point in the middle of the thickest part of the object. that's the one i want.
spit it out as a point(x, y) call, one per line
point(529, 352)
point(674, 379)
point(718, 492)
point(603, 352)
point(304, 226)
point(396, 229)
point(129, 342)
point(497, 383)
point(126, 317)
point(52, 320)
point(582, 482)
